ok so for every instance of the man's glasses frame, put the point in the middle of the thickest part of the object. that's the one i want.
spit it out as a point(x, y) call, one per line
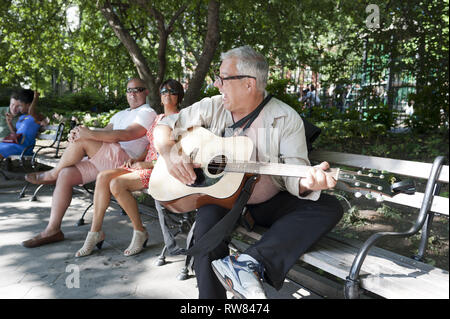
point(136, 90)
point(217, 77)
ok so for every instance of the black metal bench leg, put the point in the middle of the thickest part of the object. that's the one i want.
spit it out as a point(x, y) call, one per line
point(162, 257)
point(22, 192)
point(80, 222)
point(426, 229)
point(34, 197)
point(424, 238)
point(184, 273)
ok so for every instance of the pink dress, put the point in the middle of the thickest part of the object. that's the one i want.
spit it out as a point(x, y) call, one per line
point(152, 155)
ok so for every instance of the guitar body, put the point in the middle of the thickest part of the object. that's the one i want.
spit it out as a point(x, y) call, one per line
point(213, 185)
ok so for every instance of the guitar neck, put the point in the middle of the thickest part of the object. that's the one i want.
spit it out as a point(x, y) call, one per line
point(274, 169)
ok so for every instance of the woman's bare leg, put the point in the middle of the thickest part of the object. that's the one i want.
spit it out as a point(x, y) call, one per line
point(121, 187)
point(102, 195)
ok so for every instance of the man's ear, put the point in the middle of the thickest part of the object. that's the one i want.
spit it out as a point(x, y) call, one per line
point(251, 83)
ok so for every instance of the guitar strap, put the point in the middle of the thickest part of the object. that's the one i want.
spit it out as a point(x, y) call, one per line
point(225, 226)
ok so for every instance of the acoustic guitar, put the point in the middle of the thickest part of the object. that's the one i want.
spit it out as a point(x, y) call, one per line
point(225, 166)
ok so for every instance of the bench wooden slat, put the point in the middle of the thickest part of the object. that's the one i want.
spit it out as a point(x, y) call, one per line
point(385, 273)
point(46, 136)
point(440, 204)
point(395, 166)
point(382, 258)
point(49, 161)
point(380, 272)
point(50, 128)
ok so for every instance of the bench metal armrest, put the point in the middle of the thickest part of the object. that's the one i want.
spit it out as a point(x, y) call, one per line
point(56, 140)
point(22, 155)
point(59, 133)
point(352, 281)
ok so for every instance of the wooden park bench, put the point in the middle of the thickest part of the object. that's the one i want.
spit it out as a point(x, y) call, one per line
point(48, 144)
point(362, 265)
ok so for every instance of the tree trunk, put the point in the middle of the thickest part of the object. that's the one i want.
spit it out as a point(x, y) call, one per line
point(209, 48)
point(133, 49)
point(155, 79)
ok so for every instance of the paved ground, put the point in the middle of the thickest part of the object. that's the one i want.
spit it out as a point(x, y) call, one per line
point(52, 271)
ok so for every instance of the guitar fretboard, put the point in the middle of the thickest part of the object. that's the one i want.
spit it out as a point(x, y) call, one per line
point(273, 169)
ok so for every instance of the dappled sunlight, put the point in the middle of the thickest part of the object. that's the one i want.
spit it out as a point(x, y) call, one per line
point(52, 271)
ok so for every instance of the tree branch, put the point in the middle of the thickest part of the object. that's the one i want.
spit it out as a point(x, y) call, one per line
point(209, 48)
point(127, 40)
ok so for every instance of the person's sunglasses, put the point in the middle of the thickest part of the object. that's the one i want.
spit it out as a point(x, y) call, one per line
point(135, 90)
point(165, 91)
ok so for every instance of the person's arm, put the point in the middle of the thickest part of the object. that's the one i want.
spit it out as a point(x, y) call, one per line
point(9, 117)
point(132, 161)
point(32, 110)
point(178, 164)
point(132, 132)
point(293, 147)
point(198, 114)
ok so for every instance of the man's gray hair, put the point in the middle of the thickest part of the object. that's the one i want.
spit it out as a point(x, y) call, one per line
point(249, 62)
point(138, 80)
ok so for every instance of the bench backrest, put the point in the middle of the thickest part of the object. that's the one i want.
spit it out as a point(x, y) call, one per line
point(55, 135)
point(413, 169)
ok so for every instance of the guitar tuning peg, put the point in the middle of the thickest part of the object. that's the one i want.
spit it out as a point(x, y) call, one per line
point(359, 172)
point(381, 176)
point(370, 174)
point(358, 194)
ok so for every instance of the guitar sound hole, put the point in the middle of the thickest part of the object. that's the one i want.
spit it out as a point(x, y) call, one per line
point(217, 165)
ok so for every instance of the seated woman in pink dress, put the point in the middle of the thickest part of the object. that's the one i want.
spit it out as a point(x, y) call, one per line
point(134, 175)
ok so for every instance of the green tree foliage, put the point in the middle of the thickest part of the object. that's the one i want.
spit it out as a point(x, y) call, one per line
point(162, 39)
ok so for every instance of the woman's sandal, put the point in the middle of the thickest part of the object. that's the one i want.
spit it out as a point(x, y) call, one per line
point(92, 239)
point(138, 243)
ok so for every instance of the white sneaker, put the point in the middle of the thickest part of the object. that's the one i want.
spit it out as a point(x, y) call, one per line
point(241, 278)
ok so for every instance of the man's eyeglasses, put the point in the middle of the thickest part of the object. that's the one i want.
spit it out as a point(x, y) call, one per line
point(165, 91)
point(235, 77)
point(135, 90)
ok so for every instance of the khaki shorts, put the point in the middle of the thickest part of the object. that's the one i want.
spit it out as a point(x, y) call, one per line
point(109, 156)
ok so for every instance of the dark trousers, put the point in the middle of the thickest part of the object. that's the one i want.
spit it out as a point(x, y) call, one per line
point(294, 225)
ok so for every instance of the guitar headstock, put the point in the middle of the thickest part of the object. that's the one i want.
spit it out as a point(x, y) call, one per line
point(372, 184)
